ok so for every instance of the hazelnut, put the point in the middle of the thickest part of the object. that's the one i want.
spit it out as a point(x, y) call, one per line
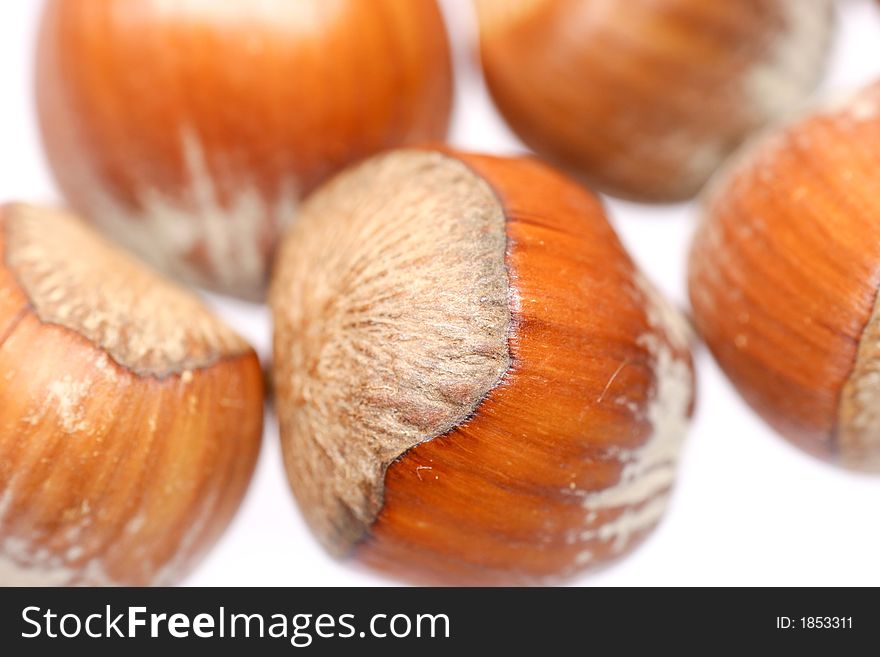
point(784, 273)
point(645, 98)
point(130, 417)
point(189, 130)
point(474, 382)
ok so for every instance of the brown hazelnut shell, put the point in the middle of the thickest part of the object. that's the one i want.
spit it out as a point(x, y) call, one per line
point(130, 417)
point(644, 99)
point(474, 382)
point(189, 130)
point(783, 278)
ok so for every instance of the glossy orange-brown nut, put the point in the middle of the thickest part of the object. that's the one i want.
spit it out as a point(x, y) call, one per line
point(189, 130)
point(474, 382)
point(784, 274)
point(130, 417)
point(645, 98)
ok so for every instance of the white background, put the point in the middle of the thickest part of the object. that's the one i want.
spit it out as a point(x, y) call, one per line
point(747, 509)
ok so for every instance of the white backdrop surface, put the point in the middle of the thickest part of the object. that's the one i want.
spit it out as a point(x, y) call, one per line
point(748, 509)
